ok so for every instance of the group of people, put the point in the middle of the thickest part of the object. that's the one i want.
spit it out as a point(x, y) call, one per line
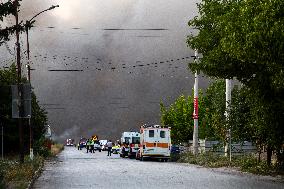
point(90, 146)
point(88, 143)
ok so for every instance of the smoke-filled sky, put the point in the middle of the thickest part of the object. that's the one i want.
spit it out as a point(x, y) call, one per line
point(102, 66)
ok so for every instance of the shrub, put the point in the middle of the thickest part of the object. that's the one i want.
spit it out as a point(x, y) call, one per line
point(174, 157)
point(41, 148)
point(206, 159)
point(246, 163)
point(16, 175)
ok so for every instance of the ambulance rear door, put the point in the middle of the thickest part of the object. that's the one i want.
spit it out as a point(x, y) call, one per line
point(163, 141)
point(150, 138)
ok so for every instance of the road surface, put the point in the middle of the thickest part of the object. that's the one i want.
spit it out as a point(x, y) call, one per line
point(77, 169)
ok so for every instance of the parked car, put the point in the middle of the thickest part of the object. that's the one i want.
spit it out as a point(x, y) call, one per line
point(103, 144)
point(175, 149)
point(82, 143)
point(116, 149)
point(97, 146)
point(69, 142)
point(104, 147)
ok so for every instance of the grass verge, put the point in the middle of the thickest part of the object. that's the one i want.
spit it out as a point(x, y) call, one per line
point(16, 175)
point(19, 176)
point(56, 149)
point(245, 163)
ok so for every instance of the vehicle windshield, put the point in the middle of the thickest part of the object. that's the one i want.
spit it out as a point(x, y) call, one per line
point(135, 140)
point(97, 142)
point(83, 140)
point(127, 140)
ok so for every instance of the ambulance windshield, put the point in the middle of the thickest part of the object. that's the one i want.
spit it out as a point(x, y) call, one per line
point(135, 140)
point(127, 140)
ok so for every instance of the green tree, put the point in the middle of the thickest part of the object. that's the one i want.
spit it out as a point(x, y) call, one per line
point(39, 116)
point(6, 9)
point(179, 116)
point(244, 39)
point(215, 104)
point(245, 119)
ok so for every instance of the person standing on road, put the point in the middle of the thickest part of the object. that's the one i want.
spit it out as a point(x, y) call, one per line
point(88, 145)
point(109, 148)
point(92, 148)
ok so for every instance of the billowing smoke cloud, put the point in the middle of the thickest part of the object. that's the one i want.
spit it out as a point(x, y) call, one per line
point(105, 65)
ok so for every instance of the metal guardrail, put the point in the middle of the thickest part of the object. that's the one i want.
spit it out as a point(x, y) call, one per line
point(245, 147)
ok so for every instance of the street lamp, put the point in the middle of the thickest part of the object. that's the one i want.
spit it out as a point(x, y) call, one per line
point(28, 26)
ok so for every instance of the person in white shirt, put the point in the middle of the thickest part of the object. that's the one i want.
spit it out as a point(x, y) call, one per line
point(109, 148)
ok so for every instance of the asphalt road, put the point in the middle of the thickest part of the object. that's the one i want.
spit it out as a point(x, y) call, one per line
point(77, 169)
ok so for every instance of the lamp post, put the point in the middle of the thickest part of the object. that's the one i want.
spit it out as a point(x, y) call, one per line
point(28, 26)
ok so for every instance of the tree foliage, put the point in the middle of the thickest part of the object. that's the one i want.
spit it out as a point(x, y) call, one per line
point(38, 120)
point(244, 39)
point(9, 8)
point(179, 116)
point(215, 104)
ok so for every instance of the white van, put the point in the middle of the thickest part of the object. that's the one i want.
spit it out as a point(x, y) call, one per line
point(129, 144)
point(103, 144)
point(155, 142)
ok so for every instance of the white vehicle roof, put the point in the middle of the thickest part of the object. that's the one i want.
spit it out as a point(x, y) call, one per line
point(145, 126)
point(130, 134)
point(103, 142)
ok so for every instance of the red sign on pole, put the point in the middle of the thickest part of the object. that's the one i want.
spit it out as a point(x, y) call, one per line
point(195, 111)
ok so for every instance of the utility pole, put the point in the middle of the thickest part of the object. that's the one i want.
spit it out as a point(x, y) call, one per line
point(28, 24)
point(2, 140)
point(31, 140)
point(195, 112)
point(29, 80)
point(228, 145)
point(28, 52)
point(20, 88)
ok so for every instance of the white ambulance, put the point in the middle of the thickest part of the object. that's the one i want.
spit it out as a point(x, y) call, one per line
point(155, 142)
point(130, 142)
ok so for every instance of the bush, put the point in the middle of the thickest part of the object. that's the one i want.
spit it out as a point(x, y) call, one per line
point(41, 148)
point(16, 175)
point(56, 148)
point(246, 163)
point(174, 157)
point(251, 164)
point(205, 159)
point(2, 173)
